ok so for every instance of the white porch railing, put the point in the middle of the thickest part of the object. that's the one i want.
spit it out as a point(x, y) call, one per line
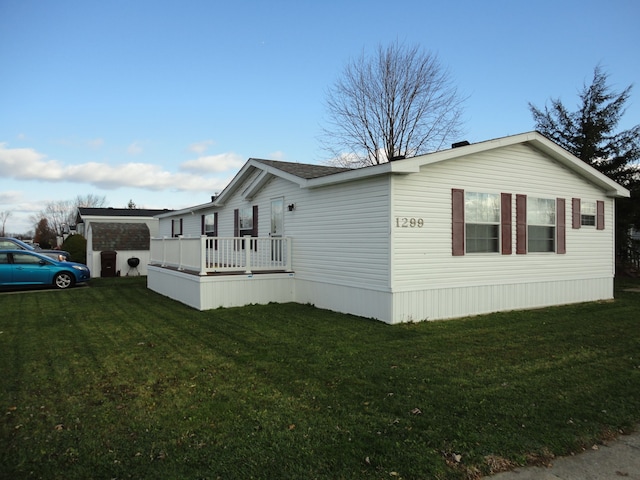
point(222, 254)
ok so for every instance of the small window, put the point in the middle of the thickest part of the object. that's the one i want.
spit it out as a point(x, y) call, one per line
point(541, 225)
point(588, 214)
point(176, 227)
point(245, 221)
point(482, 222)
point(210, 225)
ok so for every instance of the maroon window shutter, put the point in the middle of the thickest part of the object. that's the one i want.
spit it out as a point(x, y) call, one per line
point(202, 224)
point(600, 215)
point(521, 224)
point(505, 213)
point(215, 230)
point(561, 227)
point(236, 229)
point(181, 227)
point(173, 228)
point(457, 220)
point(254, 231)
point(575, 213)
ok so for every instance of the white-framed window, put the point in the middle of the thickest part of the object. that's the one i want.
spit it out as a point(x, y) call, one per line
point(176, 227)
point(588, 213)
point(482, 222)
point(245, 221)
point(541, 224)
point(210, 225)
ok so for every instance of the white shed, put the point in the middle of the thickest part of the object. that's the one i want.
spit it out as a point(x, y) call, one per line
point(511, 223)
point(126, 231)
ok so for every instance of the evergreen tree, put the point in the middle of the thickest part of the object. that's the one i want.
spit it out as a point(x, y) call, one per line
point(590, 134)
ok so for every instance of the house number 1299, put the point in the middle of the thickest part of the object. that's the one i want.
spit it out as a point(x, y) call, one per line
point(405, 222)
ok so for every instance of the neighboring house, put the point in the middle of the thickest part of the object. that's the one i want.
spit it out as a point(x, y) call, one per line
point(512, 223)
point(125, 231)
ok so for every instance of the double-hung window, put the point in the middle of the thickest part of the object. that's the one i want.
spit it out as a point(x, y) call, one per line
point(210, 225)
point(245, 221)
point(588, 214)
point(176, 227)
point(541, 225)
point(482, 222)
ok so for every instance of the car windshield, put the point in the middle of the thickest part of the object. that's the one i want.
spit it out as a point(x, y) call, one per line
point(15, 243)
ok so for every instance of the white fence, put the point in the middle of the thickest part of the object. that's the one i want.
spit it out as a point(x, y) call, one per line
point(222, 254)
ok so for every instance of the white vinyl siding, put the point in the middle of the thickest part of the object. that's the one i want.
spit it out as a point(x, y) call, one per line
point(340, 235)
point(422, 257)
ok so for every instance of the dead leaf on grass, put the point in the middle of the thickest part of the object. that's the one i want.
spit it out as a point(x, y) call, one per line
point(498, 464)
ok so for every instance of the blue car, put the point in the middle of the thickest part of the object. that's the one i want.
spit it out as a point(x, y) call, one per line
point(22, 267)
point(7, 243)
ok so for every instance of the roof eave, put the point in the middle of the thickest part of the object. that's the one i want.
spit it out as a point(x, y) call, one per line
point(188, 210)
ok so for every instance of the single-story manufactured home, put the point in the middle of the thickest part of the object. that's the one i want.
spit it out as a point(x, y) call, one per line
point(511, 223)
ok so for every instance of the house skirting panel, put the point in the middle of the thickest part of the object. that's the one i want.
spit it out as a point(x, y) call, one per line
point(209, 292)
point(454, 302)
point(363, 302)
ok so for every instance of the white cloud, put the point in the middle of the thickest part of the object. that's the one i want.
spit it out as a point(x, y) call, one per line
point(200, 147)
point(27, 164)
point(214, 163)
point(134, 149)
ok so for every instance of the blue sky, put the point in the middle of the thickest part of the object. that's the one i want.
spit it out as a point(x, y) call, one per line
point(161, 102)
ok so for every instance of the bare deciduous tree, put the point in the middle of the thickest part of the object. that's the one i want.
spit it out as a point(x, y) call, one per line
point(4, 216)
point(398, 102)
point(63, 212)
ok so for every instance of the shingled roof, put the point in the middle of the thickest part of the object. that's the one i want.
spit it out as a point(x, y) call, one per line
point(119, 212)
point(120, 236)
point(303, 170)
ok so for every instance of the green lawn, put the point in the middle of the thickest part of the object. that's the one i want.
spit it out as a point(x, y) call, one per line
point(115, 381)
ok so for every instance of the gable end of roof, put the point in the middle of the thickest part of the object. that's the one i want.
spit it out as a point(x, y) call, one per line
point(120, 236)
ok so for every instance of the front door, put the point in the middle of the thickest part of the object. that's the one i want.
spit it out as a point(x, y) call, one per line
point(277, 228)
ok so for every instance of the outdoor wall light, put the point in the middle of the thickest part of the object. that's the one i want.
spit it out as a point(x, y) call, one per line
point(291, 207)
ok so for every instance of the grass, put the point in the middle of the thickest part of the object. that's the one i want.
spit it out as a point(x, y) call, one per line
point(115, 381)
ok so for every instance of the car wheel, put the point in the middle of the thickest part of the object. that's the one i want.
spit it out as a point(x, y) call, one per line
point(63, 280)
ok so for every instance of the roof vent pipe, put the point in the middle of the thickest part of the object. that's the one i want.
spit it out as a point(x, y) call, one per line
point(463, 143)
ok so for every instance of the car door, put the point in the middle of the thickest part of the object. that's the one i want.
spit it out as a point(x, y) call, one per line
point(29, 268)
point(6, 269)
